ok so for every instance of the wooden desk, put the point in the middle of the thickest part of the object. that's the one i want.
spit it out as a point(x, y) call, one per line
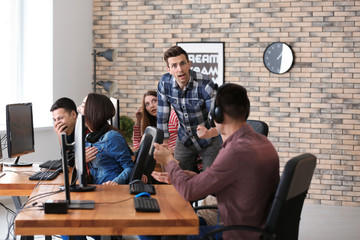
point(16, 181)
point(176, 215)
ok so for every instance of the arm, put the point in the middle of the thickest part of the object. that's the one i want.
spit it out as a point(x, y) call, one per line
point(136, 136)
point(163, 110)
point(119, 149)
point(173, 129)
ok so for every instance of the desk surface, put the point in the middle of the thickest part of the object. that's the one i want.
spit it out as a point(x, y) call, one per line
point(114, 214)
point(16, 181)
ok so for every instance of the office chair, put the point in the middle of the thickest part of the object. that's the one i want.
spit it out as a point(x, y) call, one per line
point(284, 217)
point(259, 126)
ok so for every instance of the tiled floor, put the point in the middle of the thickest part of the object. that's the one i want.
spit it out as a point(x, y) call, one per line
point(318, 222)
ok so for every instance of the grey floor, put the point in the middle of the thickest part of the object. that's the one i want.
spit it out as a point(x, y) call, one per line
point(317, 222)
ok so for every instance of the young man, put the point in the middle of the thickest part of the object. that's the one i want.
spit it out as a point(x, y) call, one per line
point(244, 175)
point(190, 94)
point(64, 114)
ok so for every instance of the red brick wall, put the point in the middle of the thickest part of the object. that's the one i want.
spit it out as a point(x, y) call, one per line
point(313, 108)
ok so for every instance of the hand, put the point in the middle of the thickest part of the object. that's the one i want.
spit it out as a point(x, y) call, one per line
point(90, 153)
point(162, 154)
point(161, 177)
point(109, 183)
point(138, 114)
point(60, 127)
point(202, 132)
point(144, 178)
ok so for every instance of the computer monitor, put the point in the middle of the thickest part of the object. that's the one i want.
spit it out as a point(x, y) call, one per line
point(19, 131)
point(72, 204)
point(115, 121)
point(145, 162)
point(80, 181)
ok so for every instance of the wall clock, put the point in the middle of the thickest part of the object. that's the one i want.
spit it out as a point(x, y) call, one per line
point(278, 57)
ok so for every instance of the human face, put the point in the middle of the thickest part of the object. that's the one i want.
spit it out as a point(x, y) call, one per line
point(82, 106)
point(179, 67)
point(64, 121)
point(151, 105)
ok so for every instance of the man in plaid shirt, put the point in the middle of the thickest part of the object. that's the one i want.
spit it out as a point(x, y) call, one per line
point(190, 94)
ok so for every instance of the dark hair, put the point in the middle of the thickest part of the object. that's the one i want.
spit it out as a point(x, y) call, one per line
point(234, 101)
point(65, 103)
point(148, 119)
point(174, 52)
point(98, 110)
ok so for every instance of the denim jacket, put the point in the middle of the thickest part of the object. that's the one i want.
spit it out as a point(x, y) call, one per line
point(113, 161)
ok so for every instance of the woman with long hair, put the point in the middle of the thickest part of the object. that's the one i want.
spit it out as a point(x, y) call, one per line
point(146, 116)
point(112, 164)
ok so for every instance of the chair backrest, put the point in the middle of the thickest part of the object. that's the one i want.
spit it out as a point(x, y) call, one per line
point(284, 216)
point(259, 126)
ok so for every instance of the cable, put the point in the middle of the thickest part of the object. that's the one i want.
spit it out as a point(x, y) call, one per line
point(124, 200)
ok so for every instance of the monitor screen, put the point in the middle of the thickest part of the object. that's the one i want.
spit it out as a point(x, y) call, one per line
point(144, 161)
point(20, 131)
point(115, 121)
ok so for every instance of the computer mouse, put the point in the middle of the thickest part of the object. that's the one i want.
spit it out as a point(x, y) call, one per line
point(143, 194)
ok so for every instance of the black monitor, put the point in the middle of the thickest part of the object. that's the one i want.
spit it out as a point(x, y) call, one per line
point(80, 161)
point(72, 204)
point(19, 131)
point(144, 161)
point(115, 121)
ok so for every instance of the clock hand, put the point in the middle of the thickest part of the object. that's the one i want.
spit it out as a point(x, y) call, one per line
point(279, 56)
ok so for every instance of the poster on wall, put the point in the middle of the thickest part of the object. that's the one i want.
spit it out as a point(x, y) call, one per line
point(207, 58)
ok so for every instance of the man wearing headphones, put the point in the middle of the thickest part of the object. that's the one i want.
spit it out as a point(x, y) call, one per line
point(190, 94)
point(245, 174)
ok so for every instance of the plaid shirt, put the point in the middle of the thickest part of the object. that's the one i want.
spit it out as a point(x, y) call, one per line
point(191, 105)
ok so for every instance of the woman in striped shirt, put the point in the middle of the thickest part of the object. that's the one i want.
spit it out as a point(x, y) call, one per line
point(148, 118)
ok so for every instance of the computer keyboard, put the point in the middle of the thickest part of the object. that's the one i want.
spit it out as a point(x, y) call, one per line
point(138, 186)
point(45, 175)
point(146, 204)
point(52, 164)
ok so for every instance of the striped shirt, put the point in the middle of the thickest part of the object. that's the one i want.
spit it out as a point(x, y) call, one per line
point(173, 129)
point(191, 105)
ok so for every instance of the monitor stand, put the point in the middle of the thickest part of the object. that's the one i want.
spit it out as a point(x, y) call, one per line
point(17, 164)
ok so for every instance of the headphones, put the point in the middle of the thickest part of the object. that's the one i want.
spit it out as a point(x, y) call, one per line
point(216, 113)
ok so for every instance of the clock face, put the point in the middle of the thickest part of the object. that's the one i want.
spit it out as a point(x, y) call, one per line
point(278, 57)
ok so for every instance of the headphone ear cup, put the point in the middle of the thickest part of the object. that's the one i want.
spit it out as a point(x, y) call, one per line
point(218, 115)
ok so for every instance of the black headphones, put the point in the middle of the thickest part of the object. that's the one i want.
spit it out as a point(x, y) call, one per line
point(216, 114)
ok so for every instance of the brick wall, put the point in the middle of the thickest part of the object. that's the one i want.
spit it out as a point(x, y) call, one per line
point(313, 108)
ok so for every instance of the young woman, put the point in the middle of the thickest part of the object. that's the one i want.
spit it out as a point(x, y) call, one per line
point(112, 164)
point(146, 116)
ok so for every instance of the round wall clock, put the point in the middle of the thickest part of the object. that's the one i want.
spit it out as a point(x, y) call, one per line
point(278, 57)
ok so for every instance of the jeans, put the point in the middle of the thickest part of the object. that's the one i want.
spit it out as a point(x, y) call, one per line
point(187, 155)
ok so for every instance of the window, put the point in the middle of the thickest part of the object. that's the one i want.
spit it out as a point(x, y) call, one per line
point(26, 59)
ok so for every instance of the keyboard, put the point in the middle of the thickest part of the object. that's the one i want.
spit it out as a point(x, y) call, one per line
point(137, 187)
point(45, 175)
point(52, 164)
point(146, 204)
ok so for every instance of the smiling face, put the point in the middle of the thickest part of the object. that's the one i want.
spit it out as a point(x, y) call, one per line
point(151, 105)
point(179, 67)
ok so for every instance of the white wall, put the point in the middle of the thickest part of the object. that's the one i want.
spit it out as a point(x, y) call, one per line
point(72, 67)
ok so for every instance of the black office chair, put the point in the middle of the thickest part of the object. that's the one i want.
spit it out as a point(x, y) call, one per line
point(259, 126)
point(284, 217)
